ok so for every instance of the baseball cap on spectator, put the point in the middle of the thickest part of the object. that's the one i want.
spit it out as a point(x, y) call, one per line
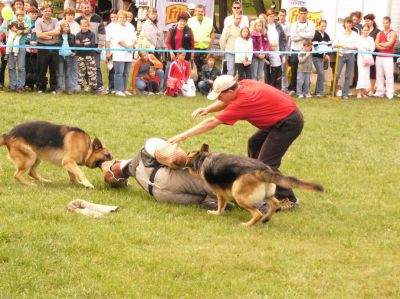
point(191, 6)
point(221, 84)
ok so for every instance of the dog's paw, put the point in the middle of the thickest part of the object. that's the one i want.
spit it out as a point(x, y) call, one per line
point(246, 224)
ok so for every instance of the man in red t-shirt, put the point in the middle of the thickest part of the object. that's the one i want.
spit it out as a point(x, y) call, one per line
point(271, 111)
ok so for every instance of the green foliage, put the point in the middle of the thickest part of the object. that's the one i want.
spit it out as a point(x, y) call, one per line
point(343, 243)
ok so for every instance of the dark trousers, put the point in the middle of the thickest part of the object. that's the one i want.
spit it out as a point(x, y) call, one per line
point(2, 69)
point(276, 77)
point(267, 73)
point(244, 72)
point(294, 63)
point(270, 145)
point(153, 86)
point(31, 69)
point(199, 60)
point(47, 59)
point(111, 79)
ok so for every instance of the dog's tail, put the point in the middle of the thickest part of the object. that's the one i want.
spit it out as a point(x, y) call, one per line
point(2, 140)
point(288, 182)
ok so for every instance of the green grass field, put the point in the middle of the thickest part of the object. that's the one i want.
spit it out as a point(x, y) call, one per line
point(343, 243)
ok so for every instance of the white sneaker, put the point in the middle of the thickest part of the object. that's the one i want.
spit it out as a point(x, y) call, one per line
point(339, 93)
point(120, 94)
point(127, 93)
point(390, 96)
point(377, 95)
point(151, 93)
point(300, 96)
point(308, 96)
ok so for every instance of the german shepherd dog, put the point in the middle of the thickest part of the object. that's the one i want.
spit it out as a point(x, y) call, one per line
point(32, 142)
point(249, 182)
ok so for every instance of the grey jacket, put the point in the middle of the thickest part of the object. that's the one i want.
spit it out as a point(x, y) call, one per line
point(153, 34)
point(170, 185)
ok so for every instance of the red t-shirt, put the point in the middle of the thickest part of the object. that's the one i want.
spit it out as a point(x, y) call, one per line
point(260, 104)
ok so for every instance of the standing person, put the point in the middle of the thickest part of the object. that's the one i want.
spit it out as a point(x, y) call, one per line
point(109, 30)
point(299, 32)
point(31, 67)
point(244, 54)
point(191, 10)
point(141, 68)
point(227, 43)
point(365, 44)
point(321, 41)
point(373, 32)
point(86, 58)
point(275, 35)
point(237, 10)
point(275, 65)
point(153, 33)
point(260, 44)
point(209, 72)
point(180, 36)
point(356, 18)
point(67, 40)
point(97, 28)
point(304, 70)
point(346, 40)
point(385, 43)
point(203, 32)
point(286, 29)
point(69, 16)
point(271, 111)
point(47, 32)
point(121, 37)
point(3, 61)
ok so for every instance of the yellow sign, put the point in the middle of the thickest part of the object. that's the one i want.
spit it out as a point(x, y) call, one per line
point(315, 17)
point(173, 12)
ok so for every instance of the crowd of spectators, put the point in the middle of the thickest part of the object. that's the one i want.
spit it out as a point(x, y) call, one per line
point(245, 40)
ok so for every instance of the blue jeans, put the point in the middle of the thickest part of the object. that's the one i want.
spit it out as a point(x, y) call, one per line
point(20, 61)
point(284, 76)
point(257, 68)
point(121, 75)
point(348, 60)
point(65, 73)
point(204, 87)
point(230, 63)
point(303, 83)
point(74, 73)
point(319, 66)
point(141, 85)
point(98, 70)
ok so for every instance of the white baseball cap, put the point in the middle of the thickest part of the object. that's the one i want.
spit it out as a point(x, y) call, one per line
point(221, 84)
point(191, 6)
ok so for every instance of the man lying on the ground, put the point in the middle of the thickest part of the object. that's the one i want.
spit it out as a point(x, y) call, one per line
point(156, 168)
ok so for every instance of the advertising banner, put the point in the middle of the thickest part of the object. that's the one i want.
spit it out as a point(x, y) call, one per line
point(168, 11)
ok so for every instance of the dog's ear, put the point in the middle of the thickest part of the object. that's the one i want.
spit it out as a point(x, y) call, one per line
point(96, 144)
point(204, 148)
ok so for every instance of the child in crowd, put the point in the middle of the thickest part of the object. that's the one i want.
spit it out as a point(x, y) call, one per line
point(209, 72)
point(86, 59)
point(69, 16)
point(31, 54)
point(129, 18)
point(67, 40)
point(179, 74)
point(304, 70)
point(244, 54)
point(260, 43)
point(275, 62)
point(16, 30)
point(152, 81)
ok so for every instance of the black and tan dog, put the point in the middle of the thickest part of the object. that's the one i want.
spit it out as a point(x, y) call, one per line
point(32, 142)
point(249, 182)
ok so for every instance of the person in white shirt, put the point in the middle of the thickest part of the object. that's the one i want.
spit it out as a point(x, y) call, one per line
point(243, 54)
point(227, 43)
point(236, 10)
point(346, 40)
point(286, 29)
point(109, 30)
point(299, 32)
point(121, 37)
point(365, 44)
